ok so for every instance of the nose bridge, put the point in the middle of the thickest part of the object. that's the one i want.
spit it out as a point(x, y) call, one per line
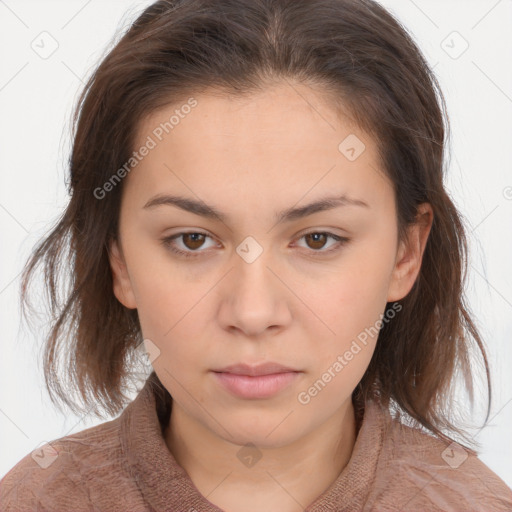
point(254, 298)
point(252, 276)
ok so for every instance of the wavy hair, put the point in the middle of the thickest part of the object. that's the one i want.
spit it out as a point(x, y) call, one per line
point(370, 68)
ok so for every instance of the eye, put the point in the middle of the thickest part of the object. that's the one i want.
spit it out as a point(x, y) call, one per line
point(316, 241)
point(193, 241)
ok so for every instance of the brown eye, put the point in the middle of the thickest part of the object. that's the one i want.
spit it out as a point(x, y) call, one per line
point(190, 244)
point(193, 241)
point(317, 240)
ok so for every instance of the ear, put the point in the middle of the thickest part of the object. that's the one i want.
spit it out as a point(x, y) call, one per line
point(410, 254)
point(121, 280)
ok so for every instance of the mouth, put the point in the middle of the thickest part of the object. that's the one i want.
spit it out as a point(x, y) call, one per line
point(269, 368)
point(256, 381)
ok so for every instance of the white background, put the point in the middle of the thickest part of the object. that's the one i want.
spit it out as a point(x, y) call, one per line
point(36, 100)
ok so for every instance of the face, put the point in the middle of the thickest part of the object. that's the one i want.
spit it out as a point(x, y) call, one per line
point(240, 271)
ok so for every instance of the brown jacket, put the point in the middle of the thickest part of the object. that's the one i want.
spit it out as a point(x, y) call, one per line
point(125, 465)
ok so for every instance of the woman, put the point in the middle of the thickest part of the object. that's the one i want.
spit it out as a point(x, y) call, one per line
point(257, 199)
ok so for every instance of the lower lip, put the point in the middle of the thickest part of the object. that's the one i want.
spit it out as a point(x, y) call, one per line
point(262, 386)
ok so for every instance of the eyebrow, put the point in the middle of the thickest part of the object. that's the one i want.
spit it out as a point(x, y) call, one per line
point(289, 214)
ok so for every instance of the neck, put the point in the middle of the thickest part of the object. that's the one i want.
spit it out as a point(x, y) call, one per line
point(246, 478)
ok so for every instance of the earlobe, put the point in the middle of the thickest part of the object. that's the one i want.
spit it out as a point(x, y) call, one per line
point(122, 286)
point(410, 255)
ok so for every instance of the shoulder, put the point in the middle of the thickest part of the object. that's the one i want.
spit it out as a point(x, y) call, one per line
point(56, 475)
point(417, 471)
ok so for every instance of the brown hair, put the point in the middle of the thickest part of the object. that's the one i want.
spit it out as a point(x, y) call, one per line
point(369, 67)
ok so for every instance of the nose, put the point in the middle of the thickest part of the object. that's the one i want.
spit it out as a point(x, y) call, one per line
point(253, 297)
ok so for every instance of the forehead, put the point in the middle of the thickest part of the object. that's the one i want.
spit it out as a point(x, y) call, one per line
point(287, 116)
point(286, 139)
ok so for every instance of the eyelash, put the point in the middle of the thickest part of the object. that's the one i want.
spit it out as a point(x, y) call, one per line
point(169, 243)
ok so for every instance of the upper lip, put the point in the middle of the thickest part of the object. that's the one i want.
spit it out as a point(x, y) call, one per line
point(255, 370)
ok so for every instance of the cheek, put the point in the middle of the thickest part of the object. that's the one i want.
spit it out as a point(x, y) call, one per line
point(171, 311)
point(171, 324)
point(174, 304)
point(353, 296)
point(350, 304)
point(160, 289)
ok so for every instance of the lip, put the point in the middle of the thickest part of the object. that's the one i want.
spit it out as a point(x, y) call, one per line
point(262, 386)
point(257, 370)
point(256, 381)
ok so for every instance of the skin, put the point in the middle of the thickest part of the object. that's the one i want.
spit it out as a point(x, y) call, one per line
point(294, 304)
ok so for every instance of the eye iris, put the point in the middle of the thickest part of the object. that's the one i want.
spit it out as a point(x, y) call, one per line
point(197, 240)
point(315, 236)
